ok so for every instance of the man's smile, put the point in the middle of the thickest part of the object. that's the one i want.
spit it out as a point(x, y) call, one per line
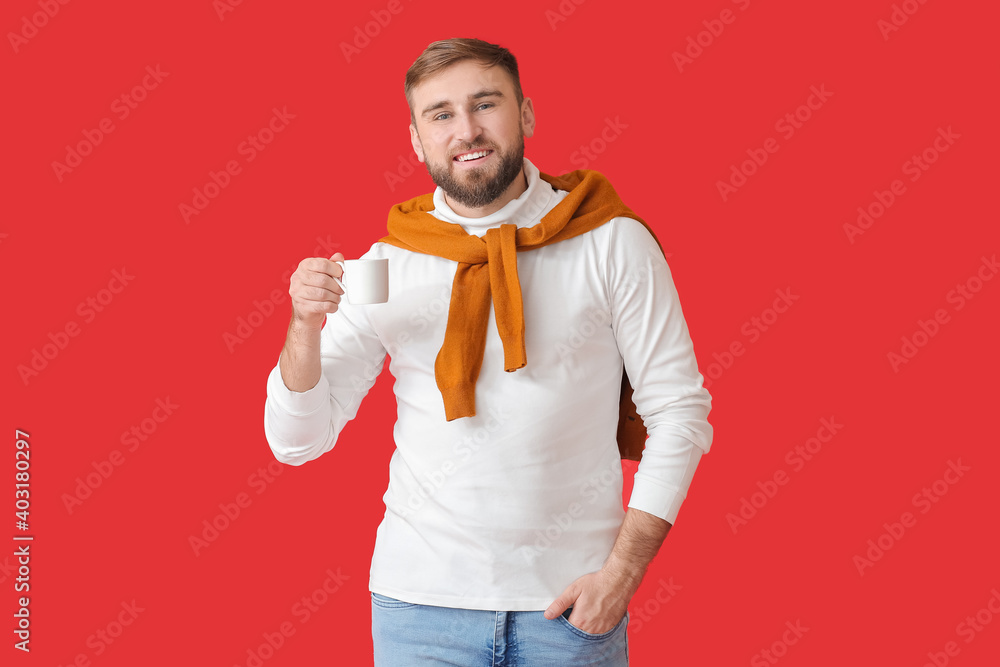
point(473, 157)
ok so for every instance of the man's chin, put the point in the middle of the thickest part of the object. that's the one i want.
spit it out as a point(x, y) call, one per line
point(471, 198)
point(479, 173)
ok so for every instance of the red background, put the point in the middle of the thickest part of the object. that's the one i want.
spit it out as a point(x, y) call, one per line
point(324, 177)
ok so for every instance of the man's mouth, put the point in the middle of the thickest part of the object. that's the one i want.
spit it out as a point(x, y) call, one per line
point(472, 156)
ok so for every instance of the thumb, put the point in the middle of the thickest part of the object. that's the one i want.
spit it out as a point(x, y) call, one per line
point(561, 603)
point(337, 257)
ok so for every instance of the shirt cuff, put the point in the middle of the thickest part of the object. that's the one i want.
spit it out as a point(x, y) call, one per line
point(297, 403)
point(653, 496)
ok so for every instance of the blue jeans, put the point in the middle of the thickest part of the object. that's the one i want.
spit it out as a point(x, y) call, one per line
point(406, 634)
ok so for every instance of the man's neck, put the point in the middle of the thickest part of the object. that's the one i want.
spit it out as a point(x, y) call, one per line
point(513, 191)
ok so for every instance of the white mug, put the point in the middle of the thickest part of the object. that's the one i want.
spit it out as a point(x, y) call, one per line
point(365, 280)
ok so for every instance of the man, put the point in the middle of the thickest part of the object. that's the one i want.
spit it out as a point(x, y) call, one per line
point(517, 301)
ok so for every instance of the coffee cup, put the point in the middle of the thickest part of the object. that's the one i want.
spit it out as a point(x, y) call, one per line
point(365, 281)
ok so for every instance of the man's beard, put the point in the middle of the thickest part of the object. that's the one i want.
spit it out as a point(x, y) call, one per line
point(480, 187)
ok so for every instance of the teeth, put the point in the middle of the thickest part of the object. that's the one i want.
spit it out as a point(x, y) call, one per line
point(473, 156)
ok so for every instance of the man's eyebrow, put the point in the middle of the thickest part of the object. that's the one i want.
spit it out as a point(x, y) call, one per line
point(441, 104)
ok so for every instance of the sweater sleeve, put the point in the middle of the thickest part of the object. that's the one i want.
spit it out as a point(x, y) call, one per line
point(659, 358)
point(301, 426)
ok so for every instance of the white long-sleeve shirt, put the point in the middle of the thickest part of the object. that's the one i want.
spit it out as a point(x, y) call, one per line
point(503, 510)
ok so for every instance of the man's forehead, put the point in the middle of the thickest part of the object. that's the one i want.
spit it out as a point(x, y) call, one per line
point(462, 80)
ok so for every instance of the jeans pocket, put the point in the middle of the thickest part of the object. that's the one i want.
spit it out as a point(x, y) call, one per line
point(564, 617)
point(386, 602)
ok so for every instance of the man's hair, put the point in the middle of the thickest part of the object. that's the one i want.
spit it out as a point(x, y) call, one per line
point(446, 52)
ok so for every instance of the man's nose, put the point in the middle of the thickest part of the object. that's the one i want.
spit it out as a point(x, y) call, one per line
point(467, 128)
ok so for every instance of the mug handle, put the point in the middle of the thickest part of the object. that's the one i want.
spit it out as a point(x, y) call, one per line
point(336, 280)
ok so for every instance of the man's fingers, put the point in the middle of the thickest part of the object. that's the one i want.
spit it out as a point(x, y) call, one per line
point(315, 289)
point(560, 604)
point(322, 281)
point(305, 278)
point(321, 265)
point(319, 294)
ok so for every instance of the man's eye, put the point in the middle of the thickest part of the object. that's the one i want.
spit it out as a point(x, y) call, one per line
point(441, 116)
point(485, 104)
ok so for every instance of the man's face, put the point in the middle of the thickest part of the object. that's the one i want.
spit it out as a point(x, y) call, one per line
point(467, 111)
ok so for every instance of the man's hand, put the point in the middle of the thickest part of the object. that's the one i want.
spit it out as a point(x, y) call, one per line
point(314, 291)
point(599, 601)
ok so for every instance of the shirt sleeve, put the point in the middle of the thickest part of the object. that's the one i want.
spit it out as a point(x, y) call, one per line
point(301, 426)
point(659, 358)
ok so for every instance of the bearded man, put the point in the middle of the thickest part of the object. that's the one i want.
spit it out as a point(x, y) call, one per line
point(536, 339)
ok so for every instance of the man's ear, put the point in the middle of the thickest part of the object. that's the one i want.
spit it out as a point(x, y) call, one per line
point(527, 117)
point(415, 141)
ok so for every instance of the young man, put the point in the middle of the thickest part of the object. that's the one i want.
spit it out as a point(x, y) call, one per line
point(518, 301)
